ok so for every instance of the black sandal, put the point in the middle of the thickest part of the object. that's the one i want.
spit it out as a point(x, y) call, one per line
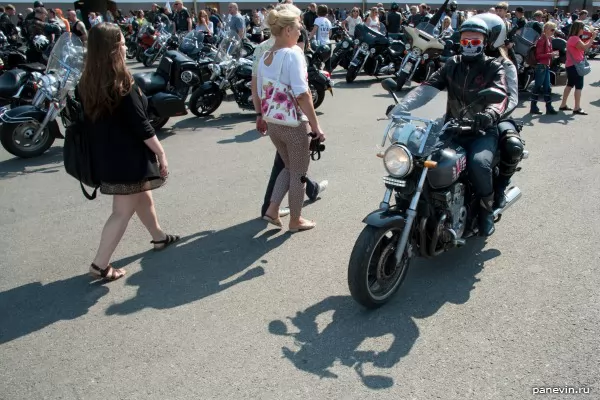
point(580, 112)
point(115, 273)
point(169, 240)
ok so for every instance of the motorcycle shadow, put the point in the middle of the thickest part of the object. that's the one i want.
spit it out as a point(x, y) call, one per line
point(224, 122)
point(49, 162)
point(430, 284)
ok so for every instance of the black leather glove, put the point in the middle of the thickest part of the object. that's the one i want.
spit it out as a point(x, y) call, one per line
point(482, 121)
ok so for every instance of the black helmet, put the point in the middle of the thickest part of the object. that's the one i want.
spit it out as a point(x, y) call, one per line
point(453, 5)
point(475, 24)
point(496, 28)
point(395, 7)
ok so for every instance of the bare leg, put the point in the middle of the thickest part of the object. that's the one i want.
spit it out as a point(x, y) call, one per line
point(565, 96)
point(577, 99)
point(123, 208)
point(147, 214)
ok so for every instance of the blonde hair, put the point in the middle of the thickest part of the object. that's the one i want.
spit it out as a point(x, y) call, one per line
point(549, 25)
point(283, 16)
point(448, 20)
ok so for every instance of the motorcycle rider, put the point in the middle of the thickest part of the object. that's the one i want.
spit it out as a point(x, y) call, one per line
point(464, 76)
point(38, 34)
point(394, 19)
point(511, 145)
point(456, 17)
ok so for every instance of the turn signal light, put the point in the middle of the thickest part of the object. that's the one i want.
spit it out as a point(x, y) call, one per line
point(430, 164)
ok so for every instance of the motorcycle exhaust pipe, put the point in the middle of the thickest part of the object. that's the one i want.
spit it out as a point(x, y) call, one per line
point(512, 196)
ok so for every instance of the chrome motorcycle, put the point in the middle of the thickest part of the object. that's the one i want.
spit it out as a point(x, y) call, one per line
point(428, 207)
point(29, 130)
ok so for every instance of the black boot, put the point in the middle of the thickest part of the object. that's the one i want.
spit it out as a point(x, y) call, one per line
point(500, 192)
point(534, 108)
point(550, 110)
point(486, 216)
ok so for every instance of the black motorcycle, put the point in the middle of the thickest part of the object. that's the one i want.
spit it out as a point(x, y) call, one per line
point(319, 80)
point(18, 85)
point(342, 54)
point(375, 53)
point(168, 87)
point(434, 211)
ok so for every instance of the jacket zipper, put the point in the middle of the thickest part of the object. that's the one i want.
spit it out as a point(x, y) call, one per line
point(465, 84)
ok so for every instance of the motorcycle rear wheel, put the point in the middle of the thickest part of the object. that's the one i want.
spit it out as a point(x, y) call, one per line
point(158, 122)
point(203, 103)
point(351, 74)
point(15, 138)
point(318, 95)
point(131, 50)
point(139, 54)
point(148, 61)
point(373, 276)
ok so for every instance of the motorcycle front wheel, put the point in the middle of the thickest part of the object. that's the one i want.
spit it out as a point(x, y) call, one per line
point(131, 50)
point(205, 102)
point(149, 60)
point(401, 80)
point(351, 74)
point(17, 139)
point(139, 54)
point(318, 95)
point(373, 276)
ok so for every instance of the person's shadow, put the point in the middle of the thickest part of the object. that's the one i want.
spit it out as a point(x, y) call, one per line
point(429, 285)
point(31, 307)
point(49, 162)
point(199, 266)
point(246, 137)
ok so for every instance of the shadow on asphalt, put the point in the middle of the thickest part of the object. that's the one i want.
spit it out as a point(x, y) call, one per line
point(49, 162)
point(29, 308)
point(200, 265)
point(223, 121)
point(246, 137)
point(429, 285)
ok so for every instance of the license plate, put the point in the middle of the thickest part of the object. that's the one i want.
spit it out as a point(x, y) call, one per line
point(407, 67)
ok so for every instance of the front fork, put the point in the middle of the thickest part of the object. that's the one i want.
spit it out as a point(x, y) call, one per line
point(51, 114)
point(411, 214)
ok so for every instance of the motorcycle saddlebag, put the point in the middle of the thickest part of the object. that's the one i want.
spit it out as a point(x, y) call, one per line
point(167, 105)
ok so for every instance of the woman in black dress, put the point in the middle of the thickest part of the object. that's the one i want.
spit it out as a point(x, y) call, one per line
point(127, 157)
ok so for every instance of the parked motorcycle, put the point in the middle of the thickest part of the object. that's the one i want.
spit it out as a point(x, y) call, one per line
point(168, 87)
point(434, 211)
point(194, 46)
point(319, 80)
point(229, 72)
point(342, 54)
point(19, 85)
point(145, 39)
point(29, 130)
point(159, 47)
point(375, 53)
point(423, 51)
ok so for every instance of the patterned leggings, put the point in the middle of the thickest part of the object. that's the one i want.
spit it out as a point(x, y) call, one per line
point(292, 145)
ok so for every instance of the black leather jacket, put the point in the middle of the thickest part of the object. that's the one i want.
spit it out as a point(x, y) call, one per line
point(464, 80)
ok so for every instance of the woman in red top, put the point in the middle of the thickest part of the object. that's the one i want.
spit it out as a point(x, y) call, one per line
point(543, 55)
point(575, 54)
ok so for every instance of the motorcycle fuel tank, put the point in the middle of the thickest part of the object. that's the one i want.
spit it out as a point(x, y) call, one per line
point(451, 162)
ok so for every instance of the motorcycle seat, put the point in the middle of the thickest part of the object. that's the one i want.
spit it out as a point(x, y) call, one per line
point(150, 82)
point(33, 67)
point(10, 82)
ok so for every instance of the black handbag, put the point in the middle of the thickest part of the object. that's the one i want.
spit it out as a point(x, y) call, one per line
point(77, 151)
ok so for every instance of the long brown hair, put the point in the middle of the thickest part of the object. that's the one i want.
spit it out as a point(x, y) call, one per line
point(105, 78)
point(575, 28)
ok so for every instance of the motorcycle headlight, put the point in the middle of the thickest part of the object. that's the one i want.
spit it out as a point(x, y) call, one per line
point(345, 44)
point(364, 47)
point(417, 52)
point(425, 56)
point(398, 161)
point(356, 41)
point(407, 46)
point(49, 84)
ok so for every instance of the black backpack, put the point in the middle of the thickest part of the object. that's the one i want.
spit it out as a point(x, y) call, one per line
point(77, 150)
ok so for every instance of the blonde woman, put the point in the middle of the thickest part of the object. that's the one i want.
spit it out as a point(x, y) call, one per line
point(292, 143)
point(204, 23)
point(352, 20)
point(373, 19)
point(447, 30)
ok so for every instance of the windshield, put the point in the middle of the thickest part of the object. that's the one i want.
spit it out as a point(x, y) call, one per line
point(229, 47)
point(66, 62)
point(192, 40)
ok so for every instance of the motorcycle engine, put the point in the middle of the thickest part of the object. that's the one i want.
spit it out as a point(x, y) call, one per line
point(453, 201)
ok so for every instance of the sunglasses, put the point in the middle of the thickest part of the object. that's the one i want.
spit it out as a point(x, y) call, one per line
point(473, 42)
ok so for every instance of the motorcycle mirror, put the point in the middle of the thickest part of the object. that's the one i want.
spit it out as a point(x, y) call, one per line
point(492, 95)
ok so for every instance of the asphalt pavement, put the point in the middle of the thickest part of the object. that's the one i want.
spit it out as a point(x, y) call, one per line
point(238, 310)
